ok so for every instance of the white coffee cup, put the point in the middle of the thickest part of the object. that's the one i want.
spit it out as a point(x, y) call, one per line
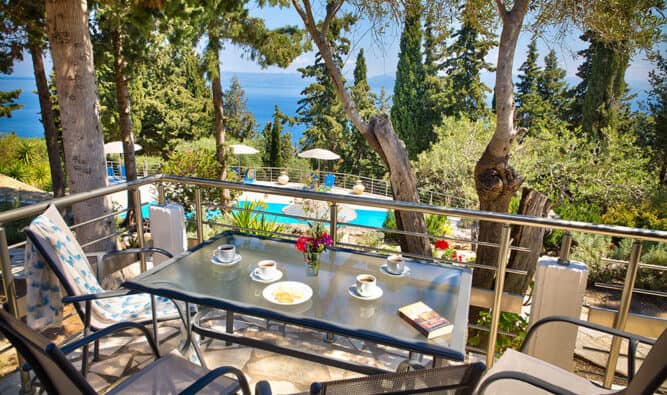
point(266, 268)
point(225, 252)
point(395, 264)
point(366, 284)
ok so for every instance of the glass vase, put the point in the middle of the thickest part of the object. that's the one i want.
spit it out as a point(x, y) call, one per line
point(312, 261)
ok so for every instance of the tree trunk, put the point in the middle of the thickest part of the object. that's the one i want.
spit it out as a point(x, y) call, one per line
point(379, 133)
point(219, 114)
point(83, 143)
point(536, 204)
point(48, 121)
point(124, 117)
point(495, 181)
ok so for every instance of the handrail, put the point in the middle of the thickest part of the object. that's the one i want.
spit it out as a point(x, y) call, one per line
point(512, 219)
point(502, 218)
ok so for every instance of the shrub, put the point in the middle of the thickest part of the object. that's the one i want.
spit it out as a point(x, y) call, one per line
point(509, 322)
point(435, 225)
point(251, 220)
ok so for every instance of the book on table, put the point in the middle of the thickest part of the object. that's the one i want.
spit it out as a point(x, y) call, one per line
point(425, 320)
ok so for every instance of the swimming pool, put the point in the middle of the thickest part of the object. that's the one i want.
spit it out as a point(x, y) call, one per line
point(364, 217)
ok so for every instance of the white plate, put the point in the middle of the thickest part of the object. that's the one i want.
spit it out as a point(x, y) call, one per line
point(237, 259)
point(254, 275)
point(376, 295)
point(384, 269)
point(287, 293)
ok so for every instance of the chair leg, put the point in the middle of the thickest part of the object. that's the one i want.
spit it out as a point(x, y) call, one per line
point(86, 332)
point(96, 350)
point(154, 316)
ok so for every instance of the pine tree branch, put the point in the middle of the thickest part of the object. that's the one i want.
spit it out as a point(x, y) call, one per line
point(332, 9)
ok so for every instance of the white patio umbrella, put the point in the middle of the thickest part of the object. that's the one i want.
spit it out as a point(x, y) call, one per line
point(116, 147)
point(240, 149)
point(319, 153)
point(319, 210)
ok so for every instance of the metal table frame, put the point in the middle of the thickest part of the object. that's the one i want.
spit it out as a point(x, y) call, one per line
point(235, 307)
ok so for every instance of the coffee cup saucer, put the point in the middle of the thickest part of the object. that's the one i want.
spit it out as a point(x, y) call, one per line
point(255, 276)
point(377, 293)
point(386, 271)
point(218, 261)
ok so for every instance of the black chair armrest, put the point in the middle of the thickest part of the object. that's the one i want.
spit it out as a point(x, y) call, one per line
point(263, 388)
point(101, 295)
point(520, 376)
point(631, 337)
point(214, 374)
point(144, 250)
point(111, 330)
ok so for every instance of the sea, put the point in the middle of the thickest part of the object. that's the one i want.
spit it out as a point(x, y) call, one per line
point(263, 92)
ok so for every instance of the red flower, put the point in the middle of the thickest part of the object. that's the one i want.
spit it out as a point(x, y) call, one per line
point(441, 245)
point(302, 243)
point(612, 246)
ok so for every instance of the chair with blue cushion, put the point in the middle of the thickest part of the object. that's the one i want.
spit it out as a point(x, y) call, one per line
point(249, 176)
point(169, 374)
point(329, 181)
point(53, 244)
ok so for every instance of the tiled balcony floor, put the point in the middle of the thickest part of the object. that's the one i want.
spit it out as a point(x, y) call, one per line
point(125, 353)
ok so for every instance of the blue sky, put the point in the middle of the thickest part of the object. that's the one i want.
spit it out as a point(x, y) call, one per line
point(382, 54)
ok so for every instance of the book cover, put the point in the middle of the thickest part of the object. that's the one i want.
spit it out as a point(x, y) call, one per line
point(425, 320)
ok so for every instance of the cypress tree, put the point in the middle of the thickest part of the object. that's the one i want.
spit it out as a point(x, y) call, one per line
point(464, 67)
point(552, 87)
point(658, 107)
point(598, 98)
point(406, 112)
point(436, 88)
point(272, 132)
point(319, 108)
point(7, 102)
point(359, 157)
point(527, 96)
point(240, 123)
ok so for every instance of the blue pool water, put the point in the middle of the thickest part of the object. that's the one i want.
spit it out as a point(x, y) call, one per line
point(364, 217)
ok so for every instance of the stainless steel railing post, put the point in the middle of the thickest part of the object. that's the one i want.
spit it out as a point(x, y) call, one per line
point(623, 309)
point(498, 293)
point(199, 215)
point(565, 244)
point(161, 198)
point(9, 288)
point(333, 222)
point(136, 197)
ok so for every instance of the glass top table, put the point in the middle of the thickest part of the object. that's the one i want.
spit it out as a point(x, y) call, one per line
point(192, 277)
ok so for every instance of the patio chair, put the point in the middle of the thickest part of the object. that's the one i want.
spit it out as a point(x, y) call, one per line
point(170, 374)
point(249, 176)
point(516, 372)
point(329, 181)
point(98, 308)
point(459, 379)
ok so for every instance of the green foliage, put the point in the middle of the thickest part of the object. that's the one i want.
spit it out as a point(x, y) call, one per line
point(657, 136)
point(256, 221)
point(464, 66)
point(7, 102)
point(359, 157)
point(319, 108)
point(239, 122)
point(509, 322)
point(189, 162)
point(406, 112)
point(448, 166)
point(170, 100)
point(435, 225)
point(277, 146)
point(438, 225)
point(26, 160)
point(14, 230)
point(569, 167)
